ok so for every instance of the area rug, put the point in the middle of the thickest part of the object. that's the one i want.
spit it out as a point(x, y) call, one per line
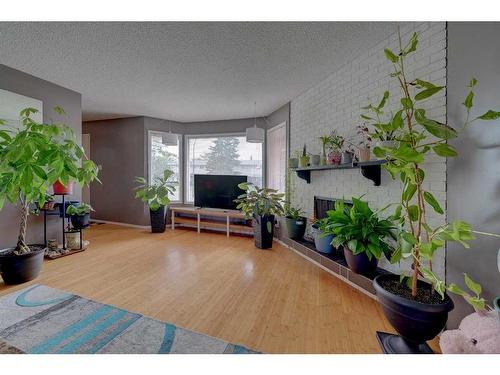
point(39, 319)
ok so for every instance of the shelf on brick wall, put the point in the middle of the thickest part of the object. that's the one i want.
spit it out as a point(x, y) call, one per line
point(369, 169)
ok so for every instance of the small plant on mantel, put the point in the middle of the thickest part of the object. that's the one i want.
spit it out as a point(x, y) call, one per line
point(417, 137)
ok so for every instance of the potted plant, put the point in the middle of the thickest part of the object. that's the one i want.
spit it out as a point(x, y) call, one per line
point(49, 203)
point(416, 303)
point(322, 240)
point(335, 143)
point(156, 196)
point(32, 158)
point(293, 162)
point(80, 215)
point(364, 146)
point(362, 233)
point(325, 141)
point(295, 222)
point(261, 205)
point(304, 158)
point(315, 159)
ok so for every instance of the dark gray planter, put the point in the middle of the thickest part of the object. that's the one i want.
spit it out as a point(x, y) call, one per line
point(262, 236)
point(158, 222)
point(360, 263)
point(322, 243)
point(80, 221)
point(295, 228)
point(17, 269)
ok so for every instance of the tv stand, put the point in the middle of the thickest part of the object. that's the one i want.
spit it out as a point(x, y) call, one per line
point(210, 219)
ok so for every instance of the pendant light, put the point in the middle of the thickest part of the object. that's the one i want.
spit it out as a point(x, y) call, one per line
point(255, 134)
point(169, 139)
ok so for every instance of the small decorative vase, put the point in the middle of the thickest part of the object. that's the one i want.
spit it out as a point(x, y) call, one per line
point(315, 160)
point(73, 240)
point(293, 163)
point(304, 161)
point(334, 158)
point(346, 157)
point(364, 154)
point(323, 158)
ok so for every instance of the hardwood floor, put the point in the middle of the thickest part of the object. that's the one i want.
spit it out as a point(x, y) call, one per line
point(273, 301)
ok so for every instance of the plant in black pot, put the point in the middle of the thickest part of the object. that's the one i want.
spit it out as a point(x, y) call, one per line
point(295, 222)
point(416, 303)
point(156, 196)
point(362, 233)
point(32, 157)
point(262, 205)
point(79, 215)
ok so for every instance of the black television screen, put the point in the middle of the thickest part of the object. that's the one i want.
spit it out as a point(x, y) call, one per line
point(217, 191)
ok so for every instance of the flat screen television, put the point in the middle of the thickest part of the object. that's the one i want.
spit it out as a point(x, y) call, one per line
point(217, 191)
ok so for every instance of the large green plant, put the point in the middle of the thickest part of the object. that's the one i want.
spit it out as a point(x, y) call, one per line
point(33, 157)
point(418, 136)
point(155, 195)
point(360, 229)
point(259, 201)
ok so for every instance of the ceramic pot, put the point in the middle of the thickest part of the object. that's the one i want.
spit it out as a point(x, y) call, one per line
point(80, 221)
point(322, 243)
point(360, 263)
point(293, 163)
point(61, 189)
point(17, 269)
point(158, 222)
point(315, 159)
point(334, 158)
point(364, 154)
point(496, 303)
point(295, 227)
point(263, 231)
point(346, 157)
point(304, 161)
point(73, 240)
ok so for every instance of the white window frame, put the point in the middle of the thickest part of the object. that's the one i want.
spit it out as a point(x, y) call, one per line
point(187, 137)
point(275, 128)
point(181, 161)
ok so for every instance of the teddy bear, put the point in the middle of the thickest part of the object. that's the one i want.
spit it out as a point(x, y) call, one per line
point(478, 333)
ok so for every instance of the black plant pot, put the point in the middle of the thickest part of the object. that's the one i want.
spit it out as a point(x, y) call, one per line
point(80, 221)
point(360, 263)
point(66, 204)
point(295, 227)
point(157, 220)
point(263, 237)
point(416, 322)
point(17, 269)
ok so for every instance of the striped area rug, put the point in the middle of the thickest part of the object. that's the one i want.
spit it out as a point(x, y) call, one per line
point(39, 319)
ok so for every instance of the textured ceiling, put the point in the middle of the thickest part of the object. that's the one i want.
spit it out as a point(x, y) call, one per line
point(185, 71)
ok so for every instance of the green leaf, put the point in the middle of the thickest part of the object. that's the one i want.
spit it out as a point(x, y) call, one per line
point(428, 92)
point(397, 120)
point(408, 237)
point(39, 172)
point(59, 110)
point(409, 191)
point(454, 288)
point(379, 152)
point(468, 102)
point(437, 129)
point(425, 84)
point(391, 56)
point(407, 103)
point(269, 227)
point(413, 44)
point(366, 117)
point(383, 100)
point(490, 115)
point(408, 153)
point(476, 302)
point(472, 82)
point(473, 286)
point(445, 150)
point(429, 198)
point(413, 212)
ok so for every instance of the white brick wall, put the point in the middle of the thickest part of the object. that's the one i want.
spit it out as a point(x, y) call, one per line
point(336, 103)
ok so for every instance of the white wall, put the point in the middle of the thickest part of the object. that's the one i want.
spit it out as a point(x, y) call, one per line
point(336, 103)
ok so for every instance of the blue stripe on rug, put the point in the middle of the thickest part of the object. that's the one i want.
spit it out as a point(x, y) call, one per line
point(23, 302)
point(91, 334)
point(47, 345)
point(111, 336)
point(168, 339)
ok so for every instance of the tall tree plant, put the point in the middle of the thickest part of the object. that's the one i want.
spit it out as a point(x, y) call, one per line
point(33, 157)
point(417, 137)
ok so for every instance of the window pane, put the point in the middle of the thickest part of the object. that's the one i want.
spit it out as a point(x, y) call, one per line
point(165, 157)
point(229, 155)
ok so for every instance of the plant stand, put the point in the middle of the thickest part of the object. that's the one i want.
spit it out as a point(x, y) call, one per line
point(395, 344)
point(65, 229)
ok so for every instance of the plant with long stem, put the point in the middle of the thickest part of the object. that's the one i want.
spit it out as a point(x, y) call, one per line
point(33, 157)
point(418, 136)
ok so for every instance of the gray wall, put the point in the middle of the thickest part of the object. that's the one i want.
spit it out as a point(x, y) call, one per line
point(474, 177)
point(117, 146)
point(51, 95)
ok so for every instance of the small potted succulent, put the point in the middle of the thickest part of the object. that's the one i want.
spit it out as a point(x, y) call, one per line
point(156, 196)
point(304, 158)
point(262, 205)
point(79, 215)
point(364, 146)
point(364, 236)
point(293, 162)
point(322, 241)
point(295, 222)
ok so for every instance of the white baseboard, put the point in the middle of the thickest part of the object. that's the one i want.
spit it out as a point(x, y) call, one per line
point(122, 224)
